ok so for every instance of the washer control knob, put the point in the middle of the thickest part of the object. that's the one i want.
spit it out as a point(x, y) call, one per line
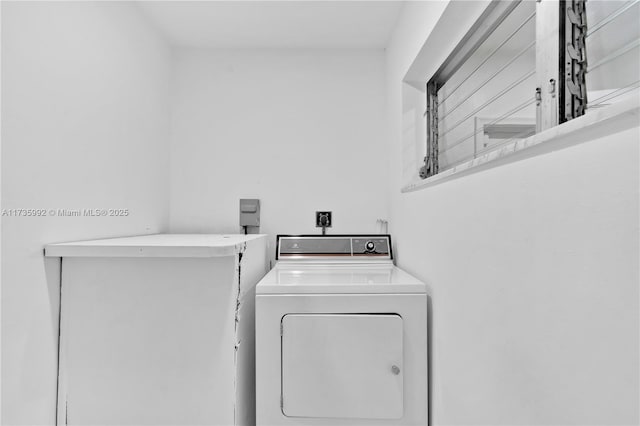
point(369, 246)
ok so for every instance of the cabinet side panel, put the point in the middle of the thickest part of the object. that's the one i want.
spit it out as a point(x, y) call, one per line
point(252, 267)
point(148, 341)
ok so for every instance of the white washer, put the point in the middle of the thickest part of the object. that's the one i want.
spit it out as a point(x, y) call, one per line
point(341, 335)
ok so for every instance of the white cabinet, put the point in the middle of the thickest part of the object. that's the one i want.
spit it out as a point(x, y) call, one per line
point(342, 366)
point(158, 330)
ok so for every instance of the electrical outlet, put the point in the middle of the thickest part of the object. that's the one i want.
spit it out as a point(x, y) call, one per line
point(323, 220)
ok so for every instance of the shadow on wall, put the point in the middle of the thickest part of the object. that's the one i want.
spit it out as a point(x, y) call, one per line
point(52, 272)
point(429, 358)
point(430, 340)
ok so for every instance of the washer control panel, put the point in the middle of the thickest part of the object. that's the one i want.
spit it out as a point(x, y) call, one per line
point(318, 246)
point(370, 245)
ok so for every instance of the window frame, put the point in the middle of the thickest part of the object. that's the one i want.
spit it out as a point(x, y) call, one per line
point(561, 30)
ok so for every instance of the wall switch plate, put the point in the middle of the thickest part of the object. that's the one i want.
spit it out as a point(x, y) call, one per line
point(323, 220)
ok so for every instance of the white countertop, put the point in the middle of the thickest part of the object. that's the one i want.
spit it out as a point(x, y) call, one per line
point(157, 245)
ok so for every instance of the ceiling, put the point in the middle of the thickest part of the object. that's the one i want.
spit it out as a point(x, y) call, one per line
point(274, 24)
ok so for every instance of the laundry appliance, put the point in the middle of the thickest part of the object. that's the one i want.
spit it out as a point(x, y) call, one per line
point(341, 335)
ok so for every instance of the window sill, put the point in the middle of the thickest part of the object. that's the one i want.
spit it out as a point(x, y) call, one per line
point(597, 123)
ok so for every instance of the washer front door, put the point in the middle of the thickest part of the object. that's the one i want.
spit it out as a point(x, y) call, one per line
point(342, 366)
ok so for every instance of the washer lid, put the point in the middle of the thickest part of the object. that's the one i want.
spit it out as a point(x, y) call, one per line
point(331, 278)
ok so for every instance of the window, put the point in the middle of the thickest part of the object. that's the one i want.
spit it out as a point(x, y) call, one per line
point(522, 68)
point(613, 51)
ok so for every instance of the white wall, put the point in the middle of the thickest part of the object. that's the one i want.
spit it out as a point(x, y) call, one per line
point(85, 114)
point(303, 130)
point(533, 269)
point(533, 266)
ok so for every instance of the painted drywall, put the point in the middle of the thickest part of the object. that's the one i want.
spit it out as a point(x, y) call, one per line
point(532, 268)
point(302, 130)
point(85, 112)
